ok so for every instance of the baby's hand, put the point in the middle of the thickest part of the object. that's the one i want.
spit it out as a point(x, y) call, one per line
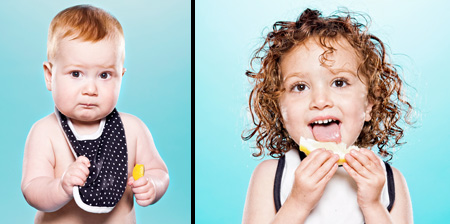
point(311, 177)
point(366, 169)
point(75, 175)
point(143, 189)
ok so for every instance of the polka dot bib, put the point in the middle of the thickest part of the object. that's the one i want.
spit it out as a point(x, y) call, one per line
point(106, 149)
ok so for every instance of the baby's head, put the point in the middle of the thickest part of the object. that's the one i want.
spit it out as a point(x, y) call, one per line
point(86, 51)
point(348, 74)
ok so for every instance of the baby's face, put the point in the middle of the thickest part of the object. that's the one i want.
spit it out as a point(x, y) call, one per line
point(328, 104)
point(85, 78)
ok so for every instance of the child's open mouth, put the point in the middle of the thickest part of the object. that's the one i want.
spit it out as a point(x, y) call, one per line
point(327, 130)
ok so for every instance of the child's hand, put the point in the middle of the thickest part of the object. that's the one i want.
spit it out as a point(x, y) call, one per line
point(143, 189)
point(75, 175)
point(365, 168)
point(311, 177)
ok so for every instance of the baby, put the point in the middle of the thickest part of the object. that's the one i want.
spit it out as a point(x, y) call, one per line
point(327, 79)
point(78, 160)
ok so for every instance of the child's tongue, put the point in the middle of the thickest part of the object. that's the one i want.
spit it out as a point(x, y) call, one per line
point(327, 133)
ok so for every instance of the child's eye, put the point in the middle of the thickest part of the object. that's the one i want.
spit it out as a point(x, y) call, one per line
point(299, 87)
point(75, 74)
point(105, 75)
point(340, 83)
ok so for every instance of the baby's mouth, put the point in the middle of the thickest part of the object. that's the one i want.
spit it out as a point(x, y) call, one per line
point(327, 130)
point(88, 105)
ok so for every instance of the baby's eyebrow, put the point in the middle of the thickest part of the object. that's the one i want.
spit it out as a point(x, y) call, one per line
point(109, 66)
point(73, 65)
point(85, 66)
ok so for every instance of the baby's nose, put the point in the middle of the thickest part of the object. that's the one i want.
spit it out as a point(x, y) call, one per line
point(90, 88)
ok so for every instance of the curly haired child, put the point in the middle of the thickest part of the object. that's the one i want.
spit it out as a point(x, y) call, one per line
point(327, 79)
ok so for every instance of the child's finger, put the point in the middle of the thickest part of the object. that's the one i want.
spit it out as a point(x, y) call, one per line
point(77, 181)
point(141, 189)
point(142, 182)
point(329, 175)
point(81, 167)
point(356, 165)
point(144, 202)
point(372, 156)
point(316, 161)
point(84, 160)
point(326, 167)
point(82, 175)
point(361, 157)
point(130, 181)
point(350, 171)
point(311, 156)
point(143, 196)
point(372, 164)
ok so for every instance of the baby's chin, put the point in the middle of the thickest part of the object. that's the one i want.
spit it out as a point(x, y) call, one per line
point(86, 117)
point(93, 120)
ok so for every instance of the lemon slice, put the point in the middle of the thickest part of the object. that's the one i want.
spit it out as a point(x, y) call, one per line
point(138, 171)
point(309, 145)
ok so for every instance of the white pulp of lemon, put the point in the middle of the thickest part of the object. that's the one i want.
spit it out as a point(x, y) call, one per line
point(309, 145)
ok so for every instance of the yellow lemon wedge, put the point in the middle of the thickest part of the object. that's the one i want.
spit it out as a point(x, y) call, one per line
point(138, 171)
point(309, 145)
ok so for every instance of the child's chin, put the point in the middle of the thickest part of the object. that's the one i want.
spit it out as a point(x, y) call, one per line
point(88, 117)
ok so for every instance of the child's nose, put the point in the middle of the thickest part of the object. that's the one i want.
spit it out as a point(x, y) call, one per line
point(90, 88)
point(321, 99)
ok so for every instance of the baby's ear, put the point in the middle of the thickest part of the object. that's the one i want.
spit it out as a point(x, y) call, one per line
point(48, 75)
point(123, 71)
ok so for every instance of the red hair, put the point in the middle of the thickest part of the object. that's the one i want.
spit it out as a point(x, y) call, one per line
point(85, 22)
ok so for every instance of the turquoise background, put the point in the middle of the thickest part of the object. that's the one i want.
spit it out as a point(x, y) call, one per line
point(226, 34)
point(156, 88)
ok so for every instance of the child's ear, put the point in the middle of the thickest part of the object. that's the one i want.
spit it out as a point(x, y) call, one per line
point(123, 71)
point(48, 75)
point(368, 115)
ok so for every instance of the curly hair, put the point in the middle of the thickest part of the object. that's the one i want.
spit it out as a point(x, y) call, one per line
point(383, 81)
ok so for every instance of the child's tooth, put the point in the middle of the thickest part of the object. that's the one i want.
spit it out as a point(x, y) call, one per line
point(323, 121)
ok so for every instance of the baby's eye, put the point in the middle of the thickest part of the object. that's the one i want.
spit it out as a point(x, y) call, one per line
point(340, 83)
point(75, 74)
point(299, 87)
point(105, 75)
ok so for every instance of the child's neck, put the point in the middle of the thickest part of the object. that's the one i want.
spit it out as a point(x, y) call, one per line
point(85, 127)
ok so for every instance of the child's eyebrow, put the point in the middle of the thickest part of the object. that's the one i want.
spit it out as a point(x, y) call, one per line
point(294, 74)
point(337, 71)
point(108, 67)
point(83, 66)
point(73, 65)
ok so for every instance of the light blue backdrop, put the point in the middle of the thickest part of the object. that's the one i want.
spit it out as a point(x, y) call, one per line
point(228, 31)
point(156, 88)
